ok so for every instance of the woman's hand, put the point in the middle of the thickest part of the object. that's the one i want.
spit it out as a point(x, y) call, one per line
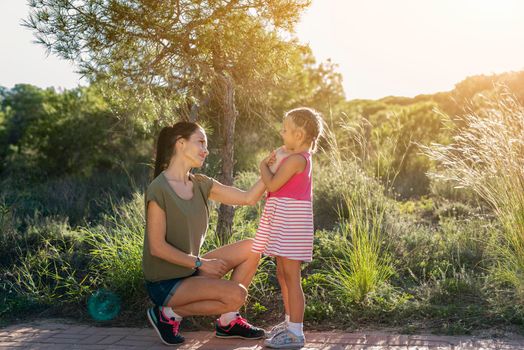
point(212, 268)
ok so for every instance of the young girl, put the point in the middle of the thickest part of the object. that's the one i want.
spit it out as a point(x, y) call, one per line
point(286, 225)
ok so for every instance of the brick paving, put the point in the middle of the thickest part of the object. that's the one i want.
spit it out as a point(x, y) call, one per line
point(57, 336)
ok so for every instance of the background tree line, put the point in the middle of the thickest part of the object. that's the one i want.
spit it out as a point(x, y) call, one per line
point(47, 134)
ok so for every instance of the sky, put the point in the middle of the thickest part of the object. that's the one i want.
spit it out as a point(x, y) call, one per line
point(382, 47)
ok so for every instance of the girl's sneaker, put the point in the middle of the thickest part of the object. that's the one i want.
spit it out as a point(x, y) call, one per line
point(285, 340)
point(277, 329)
point(166, 328)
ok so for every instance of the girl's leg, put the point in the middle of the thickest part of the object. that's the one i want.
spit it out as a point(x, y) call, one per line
point(293, 335)
point(292, 279)
point(283, 287)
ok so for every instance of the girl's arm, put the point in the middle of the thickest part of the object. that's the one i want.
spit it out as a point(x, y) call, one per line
point(234, 196)
point(160, 248)
point(292, 165)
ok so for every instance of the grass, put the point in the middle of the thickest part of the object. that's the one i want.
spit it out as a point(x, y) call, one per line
point(486, 155)
point(364, 266)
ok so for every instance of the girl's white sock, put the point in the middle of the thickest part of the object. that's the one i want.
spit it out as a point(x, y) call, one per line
point(169, 313)
point(226, 318)
point(287, 318)
point(296, 328)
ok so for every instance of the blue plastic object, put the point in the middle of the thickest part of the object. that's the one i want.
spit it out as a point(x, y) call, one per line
point(103, 305)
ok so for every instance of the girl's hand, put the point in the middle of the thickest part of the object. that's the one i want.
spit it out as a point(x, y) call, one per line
point(272, 158)
point(280, 154)
point(212, 268)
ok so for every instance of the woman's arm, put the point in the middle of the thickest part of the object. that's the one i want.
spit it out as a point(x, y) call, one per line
point(234, 196)
point(292, 165)
point(160, 248)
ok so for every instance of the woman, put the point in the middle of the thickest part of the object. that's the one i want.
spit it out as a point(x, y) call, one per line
point(179, 281)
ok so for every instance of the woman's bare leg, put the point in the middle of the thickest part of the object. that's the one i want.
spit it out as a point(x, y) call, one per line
point(207, 296)
point(239, 258)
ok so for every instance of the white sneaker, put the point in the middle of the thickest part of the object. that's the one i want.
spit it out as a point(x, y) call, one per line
point(285, 340)
point(276, 329)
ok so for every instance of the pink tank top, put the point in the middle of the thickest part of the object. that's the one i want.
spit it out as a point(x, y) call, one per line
point(299, 185)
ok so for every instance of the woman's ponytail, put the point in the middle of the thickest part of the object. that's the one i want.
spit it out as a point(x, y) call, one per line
point(164, 149)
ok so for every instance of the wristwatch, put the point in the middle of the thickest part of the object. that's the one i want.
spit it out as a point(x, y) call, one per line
point(198, 263)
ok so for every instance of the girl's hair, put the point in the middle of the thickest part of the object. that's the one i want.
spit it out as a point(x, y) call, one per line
point(165, 145)
point(311, 121)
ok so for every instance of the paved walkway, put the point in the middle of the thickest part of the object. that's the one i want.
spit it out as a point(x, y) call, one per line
point(58, 336)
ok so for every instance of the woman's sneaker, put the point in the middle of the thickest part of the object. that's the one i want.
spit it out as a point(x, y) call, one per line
point(167, 328)
point(276, 329)
point(285, 340)
point(239, 328)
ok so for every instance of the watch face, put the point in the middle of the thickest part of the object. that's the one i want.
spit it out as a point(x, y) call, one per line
point(198, 263)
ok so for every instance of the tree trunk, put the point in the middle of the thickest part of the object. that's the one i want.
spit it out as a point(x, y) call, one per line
point(227, 132)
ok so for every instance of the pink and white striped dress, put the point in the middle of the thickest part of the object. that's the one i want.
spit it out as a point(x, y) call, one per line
point(286, 224)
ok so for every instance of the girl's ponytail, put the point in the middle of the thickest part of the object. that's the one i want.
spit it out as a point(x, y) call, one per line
point(167, 138)
point(314, 145)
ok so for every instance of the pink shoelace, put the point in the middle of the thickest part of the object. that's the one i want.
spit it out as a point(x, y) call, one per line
point(241, 322)
point(174, 323)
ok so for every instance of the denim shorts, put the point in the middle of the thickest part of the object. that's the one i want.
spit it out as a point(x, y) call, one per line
point(161, 292)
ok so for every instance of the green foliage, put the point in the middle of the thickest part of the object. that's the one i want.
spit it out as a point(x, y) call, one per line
point(177, 67)
point(452, 192)
point(363, 268)
point(71, 132)
point(115, 249)
point(73, 198)
point(49, 266)
point(319, 306)
point(22, 106)
point(487, 156)
point(46, 276)
point(422, 251)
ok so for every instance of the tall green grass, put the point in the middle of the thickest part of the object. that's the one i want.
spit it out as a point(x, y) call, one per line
point(115, 249)
point(362, 266)
point(487, 155)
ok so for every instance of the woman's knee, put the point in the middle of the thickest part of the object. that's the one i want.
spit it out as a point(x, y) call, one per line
point(237, 296)
point(247, 244)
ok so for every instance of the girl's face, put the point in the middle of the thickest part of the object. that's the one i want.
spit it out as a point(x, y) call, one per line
point(195, 149)
point(290, 134)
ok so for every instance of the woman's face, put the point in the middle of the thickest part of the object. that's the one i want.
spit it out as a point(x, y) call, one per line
point(195, 149)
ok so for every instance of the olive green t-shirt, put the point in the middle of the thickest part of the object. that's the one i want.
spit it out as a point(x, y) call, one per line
point(186, 224)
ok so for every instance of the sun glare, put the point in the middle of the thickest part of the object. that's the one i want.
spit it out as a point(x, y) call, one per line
point(410, 47)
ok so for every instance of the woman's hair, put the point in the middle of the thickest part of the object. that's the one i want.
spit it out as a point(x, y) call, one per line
point(165, 145)
point(311, 121)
